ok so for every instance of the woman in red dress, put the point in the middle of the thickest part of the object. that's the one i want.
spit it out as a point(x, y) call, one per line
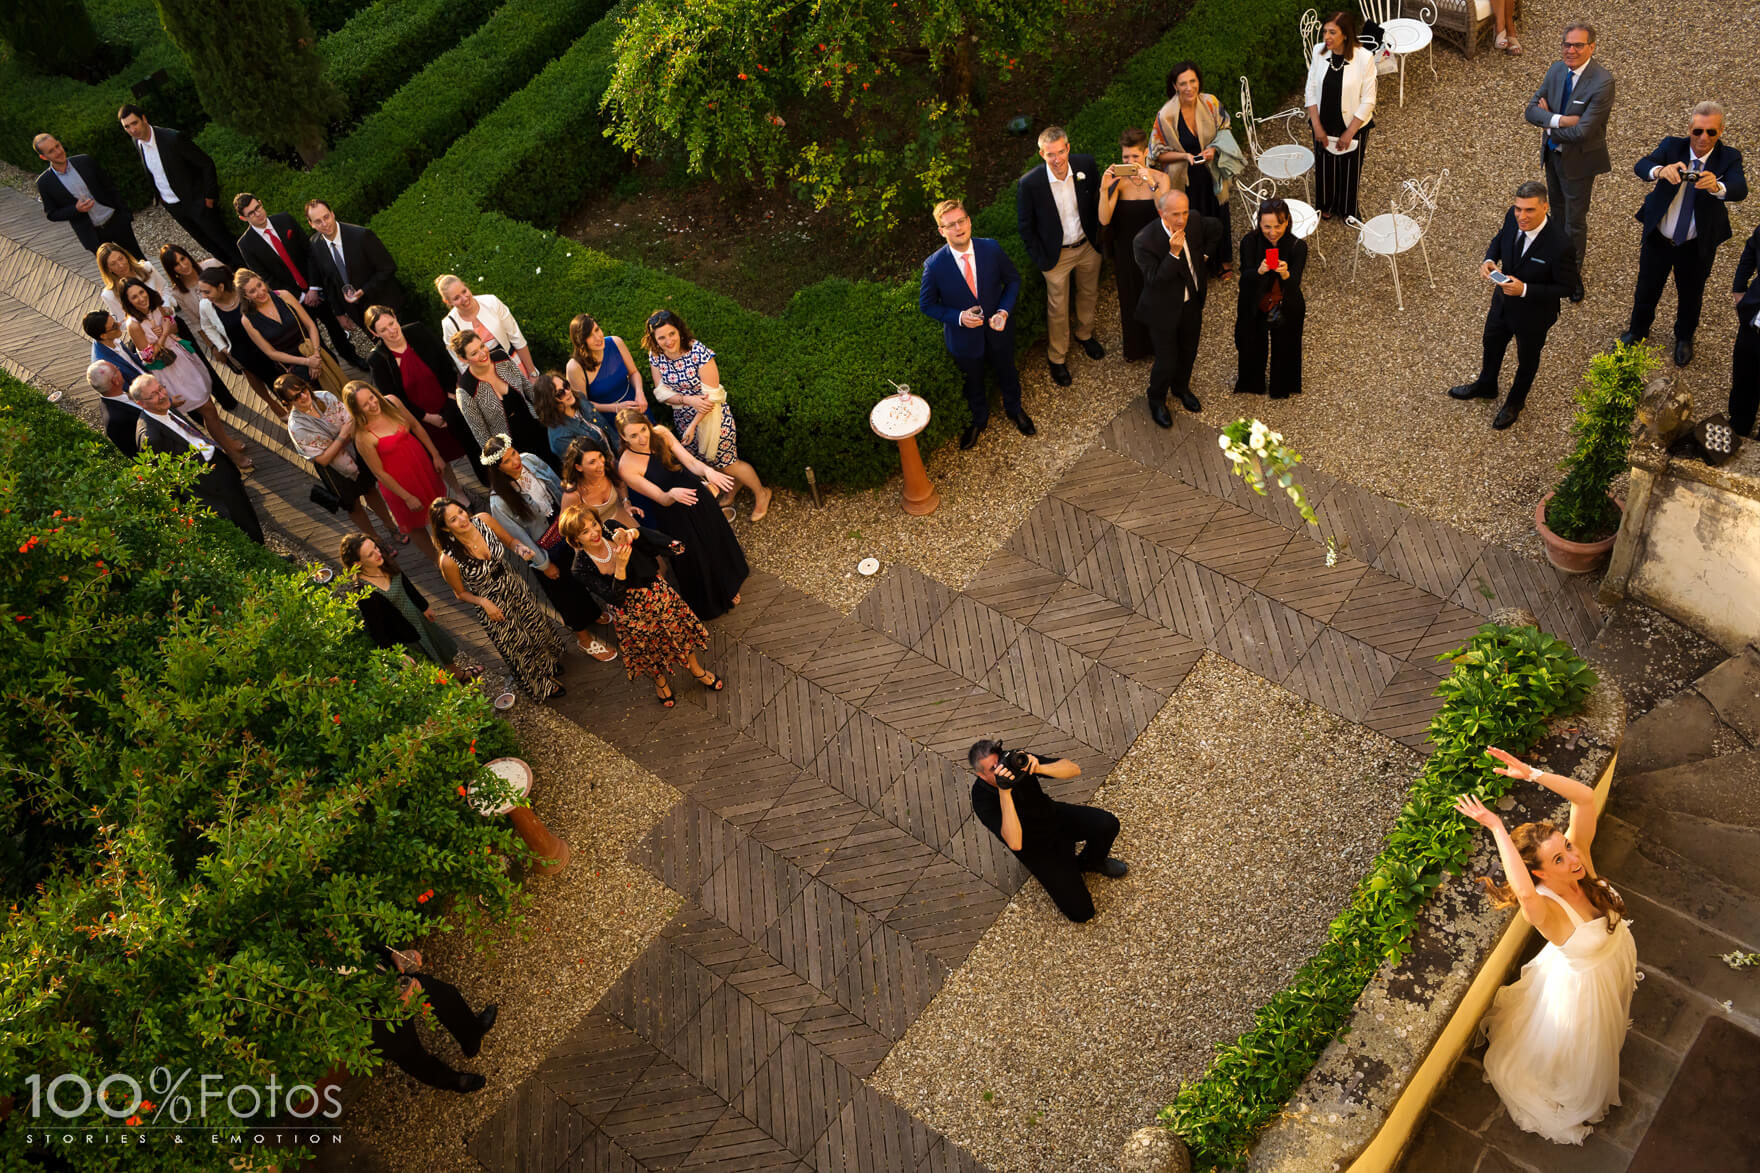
point(410, 364)
point(396, 446)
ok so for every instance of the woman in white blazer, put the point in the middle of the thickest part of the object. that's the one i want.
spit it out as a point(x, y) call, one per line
point(1340, 98)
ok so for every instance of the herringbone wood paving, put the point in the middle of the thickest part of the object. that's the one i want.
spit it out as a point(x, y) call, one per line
point(832, 873)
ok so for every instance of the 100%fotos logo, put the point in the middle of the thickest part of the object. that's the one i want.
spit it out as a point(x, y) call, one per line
point(71, 1095)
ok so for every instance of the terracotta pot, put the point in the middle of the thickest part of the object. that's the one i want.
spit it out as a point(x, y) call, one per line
point(1573, 557)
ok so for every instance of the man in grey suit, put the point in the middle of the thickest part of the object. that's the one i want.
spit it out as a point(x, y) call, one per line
point(1573, 104)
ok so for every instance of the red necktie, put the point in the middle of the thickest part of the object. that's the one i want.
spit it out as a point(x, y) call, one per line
point(971, 275)
point(299, 278)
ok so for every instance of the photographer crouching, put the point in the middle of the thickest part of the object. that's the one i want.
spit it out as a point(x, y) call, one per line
point(1043, 834)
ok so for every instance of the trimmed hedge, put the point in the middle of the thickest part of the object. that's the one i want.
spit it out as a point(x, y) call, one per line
point(365, 171)
point(383, 45)
point(803, 382)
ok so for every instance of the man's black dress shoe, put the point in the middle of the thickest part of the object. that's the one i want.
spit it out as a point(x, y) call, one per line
point(1024, 422)
point(1683, 351)
point(1190, 402)
point(486, 1021)
point(1506, 415)
point(1093, 347)
point(1629, 339)
point(1577, 293)
point(1471, 391)
point(970, 436)
point(1060, 374)
point(1159, 413)
point(1113, 869)
point(470, 1081)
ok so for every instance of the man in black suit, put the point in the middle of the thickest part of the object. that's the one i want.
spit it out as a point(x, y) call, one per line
point(276, 249)
point(182, 178)
point(77, 190)
point(1172, 302)
point(347, 257)
point(1744, 370)
point(118, 413)
point(1684, 221)
point(1057, 209)
point(1532, 267)
point(165, 429)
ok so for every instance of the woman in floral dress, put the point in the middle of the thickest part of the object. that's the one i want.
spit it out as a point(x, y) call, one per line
point(686, 378)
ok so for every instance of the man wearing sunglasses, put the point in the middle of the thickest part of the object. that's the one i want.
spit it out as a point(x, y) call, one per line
point(1572, 104)
point(1684, 221)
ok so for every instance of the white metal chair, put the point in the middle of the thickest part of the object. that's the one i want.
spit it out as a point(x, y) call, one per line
point(1402, 35)
point(1280, 162)
point(1401, 228)
point(1304, 220)
point(1310, 30)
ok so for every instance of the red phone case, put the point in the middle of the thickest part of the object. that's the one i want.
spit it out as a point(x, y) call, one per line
point(1271, 257)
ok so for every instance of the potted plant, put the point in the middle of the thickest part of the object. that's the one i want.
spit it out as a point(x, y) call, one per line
point(1579, 519)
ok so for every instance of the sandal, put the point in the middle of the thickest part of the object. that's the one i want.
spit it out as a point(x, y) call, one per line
point(710, 681)
point(666, 699)
point(1514, 48)
point(596, 649)
point(557, 692)
point(1502, 41)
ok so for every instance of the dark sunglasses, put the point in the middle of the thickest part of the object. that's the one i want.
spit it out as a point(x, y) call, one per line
point(659, 319)
point(1705, 131)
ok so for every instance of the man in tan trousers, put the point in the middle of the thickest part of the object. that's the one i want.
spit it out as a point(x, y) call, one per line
point(1057, 209)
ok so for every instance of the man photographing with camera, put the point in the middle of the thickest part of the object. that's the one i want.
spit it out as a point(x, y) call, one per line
point(1042, 833)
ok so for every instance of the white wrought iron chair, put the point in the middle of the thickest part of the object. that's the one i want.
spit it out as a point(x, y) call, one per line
point(1402, 35)
point(1304, 220)
point(1281, 162)
point(1310, 30)
point(1401, 228)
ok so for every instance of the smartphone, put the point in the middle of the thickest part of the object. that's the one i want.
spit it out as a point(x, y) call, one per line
point(1271, 257)
point(1502, 278)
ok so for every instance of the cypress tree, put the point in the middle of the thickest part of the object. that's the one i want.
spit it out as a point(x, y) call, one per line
point(55, 37)
point(257, 69)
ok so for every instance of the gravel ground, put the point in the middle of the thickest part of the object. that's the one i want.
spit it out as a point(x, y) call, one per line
point(1248, 816)
point(582, 929)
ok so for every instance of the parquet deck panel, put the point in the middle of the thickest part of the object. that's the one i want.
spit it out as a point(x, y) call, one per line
point(599, 1154)
point(930, 800)
point(1038, 673)
point(1405, 706)
point(682, 748)
point(1081, 620)
point(595, 1064)
point(865, 757)
point(809, 822)
point(947, 1157)
point(1276, 505)
point(800, 719)
point(1500, 577)
point(709, 942)
point(685, 847)
point(792, 628)
point(1124, 567)
point(1451, 628)
point(664, 1116)
point(877, 864)
point(1132, 433)
point(871, 1135)
point(1168, 512)
point(1199, 462)
point(1101, 482)
point(738, 1145)
point(1152, 655)
point(1238, 544)
point(1300, 578)
point(969, 638)
point(1341, 674)
point(984, 714)
point(984, 855)
point(853, 660)
point(1014, 586)
point(660, 992)
point(1107, 710)
point(889, 982)
point(1429, 555)
point(752, 887)
point(776, 989)
point(1265, 637)
point(1388, 613)
point(1056, 535)
point(946, 911)
point(1361, 522)
point(534, 1131)
point(726, 1042)
point(918, 696)
point(904, 604)
point(798, 1094)
point(851, 1043)
point(1194, 600)
point(818, 933)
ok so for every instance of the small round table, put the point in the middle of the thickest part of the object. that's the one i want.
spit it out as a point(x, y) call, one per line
point(1287, 161)
point(1403, 36)
point(900, 417)
point(551, 852)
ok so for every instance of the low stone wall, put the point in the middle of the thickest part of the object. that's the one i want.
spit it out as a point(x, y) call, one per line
point(1361, 1077)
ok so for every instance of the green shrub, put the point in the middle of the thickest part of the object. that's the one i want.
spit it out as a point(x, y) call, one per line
point(1506, 684)
point(217, 794)
point(327, 16)
point(1607, 403)
point(385, 44)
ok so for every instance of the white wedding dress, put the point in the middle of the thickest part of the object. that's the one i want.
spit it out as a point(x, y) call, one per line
point(1556, 1033)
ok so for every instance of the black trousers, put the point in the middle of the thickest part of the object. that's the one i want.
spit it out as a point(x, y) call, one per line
point(1253, 339)
point(1176, 350)
point(1059, 866)
point(1744, 379)
point(1569, 199)
point(1528, 346)
point(1691, 266)
point(998, 359)
point(208, 230)
point(402, 1044)
point(119, 229)
point(221, 488)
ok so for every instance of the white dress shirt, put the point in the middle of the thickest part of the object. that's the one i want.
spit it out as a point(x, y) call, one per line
point(1063, 193)
point(332, 247)
point(1528, 239)
point(200, 446)
point(497, 320)
point(150, 153)
point(1185, 254)
point(75, 183)
point(1673, 215)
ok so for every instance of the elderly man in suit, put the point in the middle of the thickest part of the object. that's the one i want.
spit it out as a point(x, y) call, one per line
point(347, 258)
point(182, 178)
point(165, 429)
point(970, 287)
point(1573, 103)
point(1684, 221)
point(116, 411)
point(1744, 371)
point(1532, 268)
point(1057, 209)
point(77, 190)
point(278, 251)
point(1172, 302)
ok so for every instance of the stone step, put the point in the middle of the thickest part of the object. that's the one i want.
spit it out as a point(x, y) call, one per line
point(1636, 863)
point(1725, 788)
point(1692, 954)
point(1684, 728)
point(1730, 853)
point(1733, 689)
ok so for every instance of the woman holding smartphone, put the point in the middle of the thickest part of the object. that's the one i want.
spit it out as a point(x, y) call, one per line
point(1127, 203)
point(1271, 309)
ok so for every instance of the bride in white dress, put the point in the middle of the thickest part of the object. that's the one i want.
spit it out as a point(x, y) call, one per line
point(1556, 1033)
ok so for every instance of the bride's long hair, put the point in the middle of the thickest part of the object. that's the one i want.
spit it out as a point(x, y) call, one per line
point(1528, 838)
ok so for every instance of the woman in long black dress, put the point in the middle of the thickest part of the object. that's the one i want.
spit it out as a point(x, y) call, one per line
point(1127, 203)
point(666, 481)
point(655, 628)
point(495, 397)
point(395, 613)
point(1281, 327)
point(471, 561)
point(1340, 97)
point(222, 317)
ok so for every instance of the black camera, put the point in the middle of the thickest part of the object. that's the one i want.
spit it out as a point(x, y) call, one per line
point(1691, 176)
point(1018, 764)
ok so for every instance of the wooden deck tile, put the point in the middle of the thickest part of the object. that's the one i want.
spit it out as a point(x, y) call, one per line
point(947, 1157)
point(741, 785)
point(1132, 433)
point(685, 847)
point(600, 1154)
point(1194, 600)
point(1102, 482)
point(1342, 675)
point(818, 933)
point(1265, 637)
point(864, 758)
point(800, 719)
point(799, 1093)
point(1038, 673)
point(969, 638)
point(1124, 567)
point(1500, 577)
point(1013, 585)
point(759, 676)
point(661, 991)
point(738, 1145)
point(1056, 535)
point(853, 660)
point(1405, 706)
point(1081, 620)
point(1301, 579)
point(876, 864)
point(1107, 710)
point(984, 714)
point(1168, 512)
point(1199, 462)
point(946, 911)
point(809, 822)
point(917, 697)
point(848, 1041)
point(1451, 628)
point(1360, 521)
point(1152, 655)
point(751, 888)
point(779, 991)
point(904, 603)
point(1238, 544)
point(872, 1135)
point(595, 1064)
point(534, 1131)
point(1276, 505)
point(726, 1042)
point(930, 800)
point(1388, 613)
point(684, 744)
point(792, 628)
point(712, 944)
point(1429, 555)
point(756, 594)
point(889, 982)
point(984, 855)
point(664, 1116)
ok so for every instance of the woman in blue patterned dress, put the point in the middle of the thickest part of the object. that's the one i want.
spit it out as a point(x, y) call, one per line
point(685, 373)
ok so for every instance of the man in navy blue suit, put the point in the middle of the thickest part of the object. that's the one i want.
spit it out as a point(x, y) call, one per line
point(1532, 266)
point(1684, 221)
point(970, 287)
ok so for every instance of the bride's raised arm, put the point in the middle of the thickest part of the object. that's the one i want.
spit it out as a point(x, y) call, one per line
point(1581, 832)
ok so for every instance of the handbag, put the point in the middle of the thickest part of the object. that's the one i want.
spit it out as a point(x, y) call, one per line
point(329, 372)
point(325, 497)
point(1271, 303)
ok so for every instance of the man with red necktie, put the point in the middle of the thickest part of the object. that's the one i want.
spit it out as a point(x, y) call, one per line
point(279, 252)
